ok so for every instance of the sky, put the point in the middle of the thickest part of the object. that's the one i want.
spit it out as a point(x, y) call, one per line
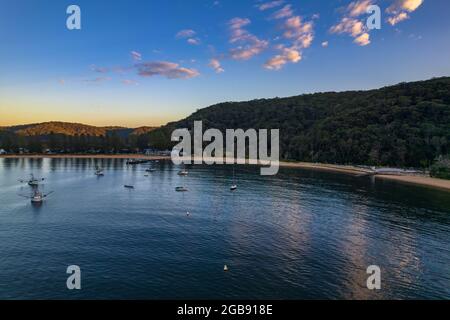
point(147, 62)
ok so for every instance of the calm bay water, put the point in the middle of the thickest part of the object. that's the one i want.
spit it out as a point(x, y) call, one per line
point(299, 235)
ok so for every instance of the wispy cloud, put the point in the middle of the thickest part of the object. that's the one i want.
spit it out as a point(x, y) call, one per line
point(98, 80)
point(404, 5)
point(393, 20)
point(288, 55)
point(270, 5)
point(166, 69)
point(99, 69)
point(358, 8)
point(130, 82)
point(400, 10)
point(363, 39)
point(249, 45)
point(215, 64)
point(137, 56)
point(300, 32)
point(186, 33)
point(352, 25)
point(325, 44)
point(193, 41)
point(299, 35)
point(190, 35)
point(284, 12)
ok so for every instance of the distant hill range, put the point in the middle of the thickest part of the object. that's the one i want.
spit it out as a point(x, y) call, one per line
point(73, 129)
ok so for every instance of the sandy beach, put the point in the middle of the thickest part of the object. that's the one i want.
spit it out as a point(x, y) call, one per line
point(419, 180)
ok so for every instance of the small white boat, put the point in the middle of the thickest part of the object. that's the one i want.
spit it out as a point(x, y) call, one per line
point(99, 172)
point(234, 185)
point(150, 170)
point(183, 173)
point(225, 268)
point(32, 182)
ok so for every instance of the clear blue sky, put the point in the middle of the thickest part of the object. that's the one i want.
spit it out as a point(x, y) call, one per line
point(147, 62)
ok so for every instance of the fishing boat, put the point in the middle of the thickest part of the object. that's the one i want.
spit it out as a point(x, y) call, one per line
point(181, 189)
point(37, 197)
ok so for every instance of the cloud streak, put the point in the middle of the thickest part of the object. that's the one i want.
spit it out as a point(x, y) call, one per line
point(136, 56)
point(186, 33)
point(284, 12)
point(270, 5)
point(99, 69)
point(169, 70)
point(130, 82)
point(98, 80)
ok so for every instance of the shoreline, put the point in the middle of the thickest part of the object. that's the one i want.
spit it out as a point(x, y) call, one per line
point(418, 180)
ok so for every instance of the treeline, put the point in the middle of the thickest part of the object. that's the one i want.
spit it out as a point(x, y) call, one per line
point(60, 143)
point(407, 125)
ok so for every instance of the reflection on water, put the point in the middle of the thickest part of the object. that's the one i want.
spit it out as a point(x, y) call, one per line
point(298, 235)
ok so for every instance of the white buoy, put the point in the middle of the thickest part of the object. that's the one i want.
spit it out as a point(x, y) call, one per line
point(225, 268)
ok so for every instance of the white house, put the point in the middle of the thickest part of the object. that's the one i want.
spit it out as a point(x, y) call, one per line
point(2, 151)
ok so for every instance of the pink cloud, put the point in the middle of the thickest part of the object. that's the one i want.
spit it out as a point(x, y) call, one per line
point(249, 45)
point(215, 64)
point(352, 25)
point(284, 12)
point(292, 55)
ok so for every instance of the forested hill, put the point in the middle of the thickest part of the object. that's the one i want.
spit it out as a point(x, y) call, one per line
point(71, 129)
point(403, 125)
point(63, 137)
